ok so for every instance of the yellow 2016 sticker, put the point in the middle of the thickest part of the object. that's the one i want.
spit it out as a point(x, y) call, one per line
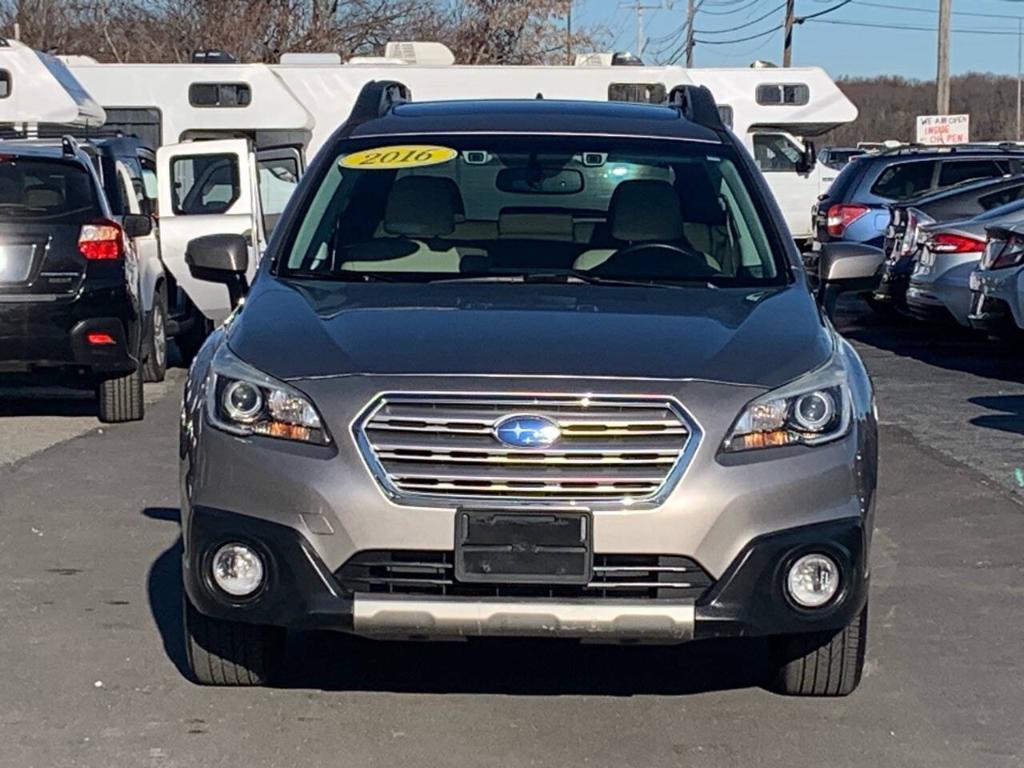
point(394, 157)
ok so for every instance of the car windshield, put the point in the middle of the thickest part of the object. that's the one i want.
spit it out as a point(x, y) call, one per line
point(1015, 206)
point(503, 207)
point(42, 189)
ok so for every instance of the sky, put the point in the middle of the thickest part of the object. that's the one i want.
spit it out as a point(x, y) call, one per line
point(862, 38)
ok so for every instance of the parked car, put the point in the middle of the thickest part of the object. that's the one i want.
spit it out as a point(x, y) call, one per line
point(939, 287)
point(70, 285)
point(495, 377)
point(853, 208)
point(906, 220)
point(127, 172)
point(838, 157)
point(997, 285)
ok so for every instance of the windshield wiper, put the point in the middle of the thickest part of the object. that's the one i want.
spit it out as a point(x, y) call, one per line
point(569, 276)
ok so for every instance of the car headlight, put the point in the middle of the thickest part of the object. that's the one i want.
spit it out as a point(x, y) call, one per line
point(245, 401)
point(814, 409)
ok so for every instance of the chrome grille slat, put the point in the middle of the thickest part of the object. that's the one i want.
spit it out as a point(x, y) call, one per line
point(444, 447)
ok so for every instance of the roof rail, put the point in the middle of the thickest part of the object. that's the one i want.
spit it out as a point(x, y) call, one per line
point(68, 145)
point(910, 148)
point(376, 99)
point(697, 105)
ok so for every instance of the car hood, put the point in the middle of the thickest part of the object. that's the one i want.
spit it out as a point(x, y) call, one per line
point(763, 337)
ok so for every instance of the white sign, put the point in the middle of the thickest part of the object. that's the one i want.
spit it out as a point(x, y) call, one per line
point(943, 129)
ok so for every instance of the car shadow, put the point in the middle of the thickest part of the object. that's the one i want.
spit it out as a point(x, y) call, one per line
point(1009, 416)
point(23, 401)
point(163, 587)
point(334, 661)
point(945, 346)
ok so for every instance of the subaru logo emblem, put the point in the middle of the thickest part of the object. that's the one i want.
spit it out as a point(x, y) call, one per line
point(527, 431)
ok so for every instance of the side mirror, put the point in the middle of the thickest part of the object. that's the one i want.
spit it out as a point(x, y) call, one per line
point(136, 225)
point(846, 268)
point(220, 259)
point(808, 159)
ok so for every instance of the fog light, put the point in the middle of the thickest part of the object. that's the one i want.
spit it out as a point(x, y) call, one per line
point(237, 570)
point(813, 581)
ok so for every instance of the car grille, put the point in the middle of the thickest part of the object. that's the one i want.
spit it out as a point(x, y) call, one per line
point(445, 447)
point(635, 577)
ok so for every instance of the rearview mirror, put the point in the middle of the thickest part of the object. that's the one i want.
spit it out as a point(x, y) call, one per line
point(846, 268)
point(136, 225)
point(220, 259)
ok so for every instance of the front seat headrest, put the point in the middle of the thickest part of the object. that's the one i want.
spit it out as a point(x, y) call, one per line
point(422, 206)
point(645, 210)
point(43, 196)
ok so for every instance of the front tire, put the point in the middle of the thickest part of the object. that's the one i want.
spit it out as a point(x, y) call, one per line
point(121, 400)
point(822, 663)
point(231, 652)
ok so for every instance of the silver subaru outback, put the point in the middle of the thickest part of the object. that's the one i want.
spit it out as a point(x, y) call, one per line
point(527, 368)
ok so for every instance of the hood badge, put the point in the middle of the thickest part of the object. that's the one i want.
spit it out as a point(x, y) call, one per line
point(526, 431)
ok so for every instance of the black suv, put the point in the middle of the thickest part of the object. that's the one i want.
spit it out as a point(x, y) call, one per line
point(854, 208)
point(70, 299)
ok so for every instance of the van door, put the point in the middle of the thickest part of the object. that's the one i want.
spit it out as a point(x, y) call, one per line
point(206, 188)
point(277, 173)
point(777, 155)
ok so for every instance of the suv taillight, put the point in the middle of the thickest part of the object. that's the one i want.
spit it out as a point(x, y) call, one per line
point(947, 242)
point(101, 240)
point(843, 215)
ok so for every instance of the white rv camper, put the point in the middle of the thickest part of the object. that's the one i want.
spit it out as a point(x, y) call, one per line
point(260, 123)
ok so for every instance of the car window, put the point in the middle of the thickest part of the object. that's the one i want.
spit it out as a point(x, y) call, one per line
point(775, 152)
point(1002, 197)
point(903, 180)
point(956, 171)
point(498, 205)
point(204, 184)
point(45, 189)
point(278, 177)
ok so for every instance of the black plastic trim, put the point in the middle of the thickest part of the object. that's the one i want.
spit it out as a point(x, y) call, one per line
point(299, 590)
point(751, 600)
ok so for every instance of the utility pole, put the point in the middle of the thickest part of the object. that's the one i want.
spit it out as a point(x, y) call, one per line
point(568, 33)
point(638, 8)
point(1020, 67)
point(942, 78)
point(691, 13)
point(787, 46)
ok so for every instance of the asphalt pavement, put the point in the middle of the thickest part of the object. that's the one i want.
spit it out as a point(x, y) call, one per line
point(93, 669)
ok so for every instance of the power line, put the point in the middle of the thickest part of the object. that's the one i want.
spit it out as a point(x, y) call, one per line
point(911, 28)
point(890, 6)
point(836, 7)
point(744, 25)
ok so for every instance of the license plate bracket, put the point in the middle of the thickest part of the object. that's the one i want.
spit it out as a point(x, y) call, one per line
point(524, 547)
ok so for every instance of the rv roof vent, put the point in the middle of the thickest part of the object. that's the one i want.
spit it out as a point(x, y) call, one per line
point(594, 59)
point(312, 59)
point(4, 43)
point(76, 59)
point(374, 61)
point(626, 59)
point(213, 56)
point(763, 64)
point(425, 53)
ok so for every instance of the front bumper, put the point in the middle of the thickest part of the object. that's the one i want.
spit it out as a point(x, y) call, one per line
point(893, 283)
point(748, 600)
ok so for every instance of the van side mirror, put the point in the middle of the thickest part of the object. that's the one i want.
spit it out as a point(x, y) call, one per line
point(846, 268)
point(220, 259)
point(808, 159)
point(136, 225)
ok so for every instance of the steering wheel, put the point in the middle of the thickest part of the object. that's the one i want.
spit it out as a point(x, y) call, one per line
point(695, 265)
point(650, 247)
